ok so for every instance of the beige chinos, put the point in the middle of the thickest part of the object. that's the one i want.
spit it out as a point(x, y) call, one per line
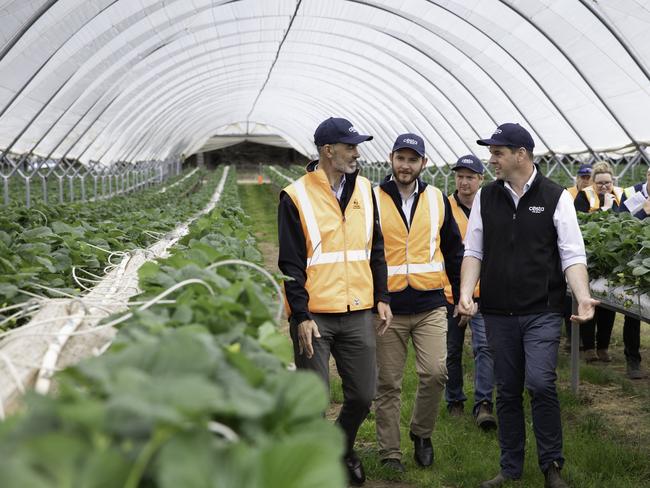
point(428, 331)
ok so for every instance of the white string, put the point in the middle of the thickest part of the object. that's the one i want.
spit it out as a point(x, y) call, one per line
point(223, 430)
point(21, 313)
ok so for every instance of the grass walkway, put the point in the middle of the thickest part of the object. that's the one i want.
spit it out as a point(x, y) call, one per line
point(606, 427)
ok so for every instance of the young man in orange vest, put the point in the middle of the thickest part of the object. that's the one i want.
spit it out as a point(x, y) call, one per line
point(468, 173)
point(421, 241)
point(332, 247)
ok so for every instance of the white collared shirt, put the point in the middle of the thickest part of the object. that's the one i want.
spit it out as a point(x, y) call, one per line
point(337, 192)
point(569, 238)
point(407, 204)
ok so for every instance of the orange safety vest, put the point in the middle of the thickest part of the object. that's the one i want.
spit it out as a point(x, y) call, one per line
point(594, 201)
point(462, 221)
point(413, 255)
point(338, 245)
point(573, 190)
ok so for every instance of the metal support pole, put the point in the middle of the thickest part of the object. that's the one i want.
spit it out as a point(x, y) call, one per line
point(44, 185)
point(28, 192)
point(60, 178)
point(575, 349)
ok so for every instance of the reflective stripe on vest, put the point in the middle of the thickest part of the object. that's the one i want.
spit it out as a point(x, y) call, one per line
point(418, 264)
point(338, 245)
point(462, 221)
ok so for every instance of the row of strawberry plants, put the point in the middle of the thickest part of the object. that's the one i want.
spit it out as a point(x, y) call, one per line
point(193, 393)
point(618, 248)
point(40, 245)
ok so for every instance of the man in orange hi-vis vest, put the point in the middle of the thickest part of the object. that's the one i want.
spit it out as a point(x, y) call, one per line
point(468, 173)
point(422, 242)
point(332, 247)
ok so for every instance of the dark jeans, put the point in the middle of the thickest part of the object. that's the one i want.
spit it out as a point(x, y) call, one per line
point(483, 364)
point(596, 333)
point(350, 338)
point(632, 339)
point(525, 349)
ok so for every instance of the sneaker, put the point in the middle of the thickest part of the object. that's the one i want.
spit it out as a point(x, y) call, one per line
point(499, 480)
point(603, 355)
point(552, 478)
point(634, 370)
point(456, 409)
point(394, 465)
point(591, 356)
point(484, 417)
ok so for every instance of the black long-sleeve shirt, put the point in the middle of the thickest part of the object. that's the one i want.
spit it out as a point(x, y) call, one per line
point(292, 258)
point(410, 300)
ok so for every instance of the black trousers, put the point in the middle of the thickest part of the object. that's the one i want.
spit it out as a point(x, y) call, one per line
point(596, 333)
point(350, 338)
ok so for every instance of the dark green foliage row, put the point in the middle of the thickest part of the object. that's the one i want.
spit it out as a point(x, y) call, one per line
point(41, 244)
point(618, 248)
point(140, 414)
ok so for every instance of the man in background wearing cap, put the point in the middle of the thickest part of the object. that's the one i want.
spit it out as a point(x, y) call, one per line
point(333, 250)
point(583, 180)
point(421, 241)
point(468, 173)
point(522, 240)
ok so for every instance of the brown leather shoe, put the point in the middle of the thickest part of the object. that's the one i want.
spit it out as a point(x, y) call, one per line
point(499, 480)
point(484, 417)
point(591, 356)
point(603, 355)
point(552, 478)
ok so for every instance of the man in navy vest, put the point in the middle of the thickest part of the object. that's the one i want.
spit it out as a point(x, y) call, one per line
point(524, 242)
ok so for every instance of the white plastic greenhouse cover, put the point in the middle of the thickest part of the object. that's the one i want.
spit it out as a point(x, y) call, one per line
point(110, 80)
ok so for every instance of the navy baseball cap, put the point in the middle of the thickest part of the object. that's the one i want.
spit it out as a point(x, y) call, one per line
point(409, 141)
point(471, 163)
point(584, 169)
point(509, 134)
point(335, 130)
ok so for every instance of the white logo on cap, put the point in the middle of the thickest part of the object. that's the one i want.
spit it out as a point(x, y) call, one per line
point(352, 129)
point(498, 131)
point(467, 161)
point(410, 141)
point(536, 210)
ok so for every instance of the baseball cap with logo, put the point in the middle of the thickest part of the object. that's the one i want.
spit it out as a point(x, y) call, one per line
point(509, 134)
point(584, 169)
point(335, 130)
point(471, 163)
point(409, 141)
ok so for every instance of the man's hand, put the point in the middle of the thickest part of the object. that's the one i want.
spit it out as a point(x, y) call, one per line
point(586, 309)
point(307, 329)
point(385, 317)
point(463, 320)
point(466, 306)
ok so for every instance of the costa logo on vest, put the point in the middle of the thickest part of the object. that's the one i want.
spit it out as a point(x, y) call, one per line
point(536, 210)
point(355, 204)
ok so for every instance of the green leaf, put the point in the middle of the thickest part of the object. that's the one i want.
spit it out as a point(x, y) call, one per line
point(640, 271)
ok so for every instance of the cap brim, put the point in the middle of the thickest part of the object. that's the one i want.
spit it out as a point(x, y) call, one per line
point(406, 146)
point(491, 142)
point(358, 139)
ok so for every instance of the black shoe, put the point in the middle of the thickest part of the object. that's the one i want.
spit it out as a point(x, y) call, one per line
point(484, 417)
point(423, 450)
point(356, 474)
point(552, 478)
point(394, 465)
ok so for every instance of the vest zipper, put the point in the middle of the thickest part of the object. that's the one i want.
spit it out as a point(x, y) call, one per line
point(512, 245)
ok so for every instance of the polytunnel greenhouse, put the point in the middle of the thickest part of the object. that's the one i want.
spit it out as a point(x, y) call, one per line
point(153, 185)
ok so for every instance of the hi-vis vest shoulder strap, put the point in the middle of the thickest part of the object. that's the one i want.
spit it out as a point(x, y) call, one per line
point(462, 221)
point(338, 244)
point(413, 255)
point(594, 202)
point(573, 190)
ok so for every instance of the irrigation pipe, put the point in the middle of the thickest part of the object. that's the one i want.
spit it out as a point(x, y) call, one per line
point(261, 270)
